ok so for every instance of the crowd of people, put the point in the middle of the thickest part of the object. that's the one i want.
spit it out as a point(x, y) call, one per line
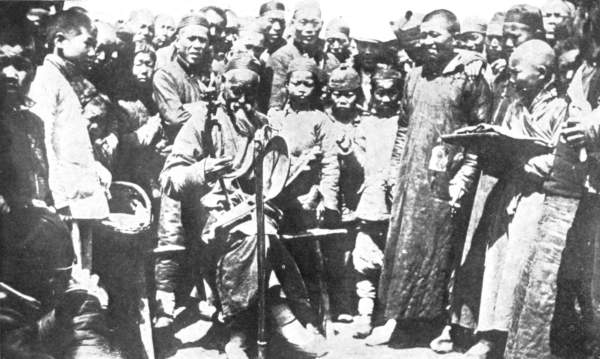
point(459, 241)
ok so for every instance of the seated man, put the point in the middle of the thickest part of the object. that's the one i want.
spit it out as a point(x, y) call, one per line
point(227, 131)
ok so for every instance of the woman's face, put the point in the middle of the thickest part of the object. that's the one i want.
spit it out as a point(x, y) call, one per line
point(143, 68)
point(301, 86)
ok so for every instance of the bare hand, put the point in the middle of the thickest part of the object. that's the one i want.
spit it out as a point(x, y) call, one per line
point(574, 132)
point(456, 192)
point(84, 280)
point(215, 168)
point(498, 66)
point(473, 69)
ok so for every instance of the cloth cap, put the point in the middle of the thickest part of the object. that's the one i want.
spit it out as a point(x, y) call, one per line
point(525, 15)
point(494, 28)
point(407, 28)
point(336, 27)
point(307, 4)
point(304, 64)
point(386, 74)
point(192, 19)
point(243, 61)
point(473, 24)
point(344, 78)
point(272, 8)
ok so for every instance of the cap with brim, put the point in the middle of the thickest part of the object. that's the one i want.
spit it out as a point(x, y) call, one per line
point(344, 78)
point(193, 19)
point(243, 62)
point(525, 15)
point(336, 28)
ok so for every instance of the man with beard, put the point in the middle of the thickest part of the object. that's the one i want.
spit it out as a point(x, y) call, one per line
point(307, 24)
point(274, 14)
point(179, 88)
point(164, 31)
point(231, 250)
point(435, 181)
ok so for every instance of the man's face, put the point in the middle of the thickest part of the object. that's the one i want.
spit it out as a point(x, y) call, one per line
point(554, 15)
point(472, 41)
point(15, 77)
point(514, 35)
point(143, 68)
point(192, 42)
point(164, 29)
point(386, 97)
point(275, 28)
point(525, 76)
point(253, 43)
point(239, 89)
point(301, 86)
point(368, 55)
point(308, 24)
point(79, 48)
point(493, 48)
point(143, 30)
point(338, 44)
point(436, 39)
point(344, 100)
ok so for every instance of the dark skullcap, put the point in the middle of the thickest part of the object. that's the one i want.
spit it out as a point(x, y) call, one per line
point(525, 15)
point(273, 8)
point(386, 74)
point(344, 78)
point(193, 19)
point(304, 64)
point(243, 61)
point(337, 26)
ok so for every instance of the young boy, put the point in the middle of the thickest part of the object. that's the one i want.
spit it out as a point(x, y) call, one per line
point(427, 224)
point(503, 240)
point(376, 138)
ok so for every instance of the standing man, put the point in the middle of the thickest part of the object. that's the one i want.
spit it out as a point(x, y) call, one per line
point(164, 31)
point(179, 88)
point(307, 24)
point(430, 209)
point(274, 14)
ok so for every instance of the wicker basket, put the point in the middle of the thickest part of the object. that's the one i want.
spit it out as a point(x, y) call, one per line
point(130, 216)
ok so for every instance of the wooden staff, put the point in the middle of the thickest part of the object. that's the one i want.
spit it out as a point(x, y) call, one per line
point(260, 253)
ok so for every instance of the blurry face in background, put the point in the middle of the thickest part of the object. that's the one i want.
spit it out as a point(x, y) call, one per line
point(338, 44)
point(164, 31)
point(143, 30)
point(514, 35)
point(307, 24)
point(386, 97)
point(493, 48)
point(555, 15)
point(252, 43)
point(472, 41)
point(77, 47)
point(301, 86)
point(15, 77)
point(275, 28)
point(192, 43)
point(567, 65)
point(216, 30)
point(368, 55)
point(143, 68)
point(436, 40)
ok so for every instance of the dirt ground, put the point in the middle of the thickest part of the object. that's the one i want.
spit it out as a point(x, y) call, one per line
point(194, 345)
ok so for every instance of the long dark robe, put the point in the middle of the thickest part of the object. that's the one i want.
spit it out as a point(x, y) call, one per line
point(423, 234)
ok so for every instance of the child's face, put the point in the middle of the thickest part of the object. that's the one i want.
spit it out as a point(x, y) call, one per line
point(78, 47)
point(386, 96)
point(301, 86)
point(436, 39)
point(143, 68)
point(527, 77)
point(344, 100)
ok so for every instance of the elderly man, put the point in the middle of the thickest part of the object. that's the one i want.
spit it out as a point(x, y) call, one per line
point(179, 87)
point(232, 249)
point(164, 31)
point(307, 23)
point(558, 17)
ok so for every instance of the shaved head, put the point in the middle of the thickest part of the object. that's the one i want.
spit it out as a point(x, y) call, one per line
point(535, 53)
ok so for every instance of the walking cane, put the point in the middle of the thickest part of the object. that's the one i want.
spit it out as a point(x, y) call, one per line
point(260, 233)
